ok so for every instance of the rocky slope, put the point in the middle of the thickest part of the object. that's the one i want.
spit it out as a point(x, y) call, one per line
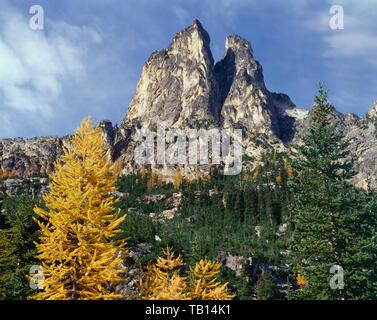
point(185, 88)
point(37, 155)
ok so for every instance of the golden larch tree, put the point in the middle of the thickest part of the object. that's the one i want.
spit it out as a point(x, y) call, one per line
point(290, 171)
point(178, 179)
point(79, 259)
point(152, 180)
point(274, 156)
point(285, 163)
point(205, 178)
point(204, 285)
point(160, 179)
point(118, 166)
point(4, 174)
point(256, 172)
point(162, 281)
point(301, 281)
point(278, 178)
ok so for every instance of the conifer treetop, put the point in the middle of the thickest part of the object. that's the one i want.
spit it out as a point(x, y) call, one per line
point(79, 258)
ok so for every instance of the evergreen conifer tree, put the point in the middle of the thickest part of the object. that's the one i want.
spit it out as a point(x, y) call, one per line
point(17, 249)
point(333, 222)
point(266, 288)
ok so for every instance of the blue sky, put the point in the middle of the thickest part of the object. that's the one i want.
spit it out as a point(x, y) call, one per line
point(89, 56)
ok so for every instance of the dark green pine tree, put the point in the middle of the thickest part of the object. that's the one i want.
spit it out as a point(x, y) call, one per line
point(333, 222)
point(250, 204)
point(266, 288)
point(17, 249)
point(239, 206)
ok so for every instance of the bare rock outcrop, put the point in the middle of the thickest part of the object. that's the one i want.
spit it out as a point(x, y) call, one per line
point(177, 85)
point(37, 155)
point(244, 97)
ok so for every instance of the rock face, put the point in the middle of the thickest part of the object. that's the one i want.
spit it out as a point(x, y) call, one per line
point(32, 186)
point(245, 101)
point(37, 155)
point(372, 113)
point(177, 85)
point(182, 86)
point(185, 88)
point(33, 155)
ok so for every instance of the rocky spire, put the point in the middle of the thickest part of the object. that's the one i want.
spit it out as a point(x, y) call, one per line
point(194, 41)
point(177, 85)
point(372, 113)
point(244, 97)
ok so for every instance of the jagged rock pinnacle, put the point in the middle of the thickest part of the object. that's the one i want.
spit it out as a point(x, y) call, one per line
point(177, 85)
point(236, 43)
point(372, 113)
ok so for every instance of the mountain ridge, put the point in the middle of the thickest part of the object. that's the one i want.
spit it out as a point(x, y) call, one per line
point(183, 86)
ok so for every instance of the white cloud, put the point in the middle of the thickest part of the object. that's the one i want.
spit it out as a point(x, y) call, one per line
point(182, 15)
point(358, 38)
point(35, 65)
point(227, 9)
point(351, 44)
point(319, 21)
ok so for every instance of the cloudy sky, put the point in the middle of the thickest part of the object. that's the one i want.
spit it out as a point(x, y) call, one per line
point(89, 56)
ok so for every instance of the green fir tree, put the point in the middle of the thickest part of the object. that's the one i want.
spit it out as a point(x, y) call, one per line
point(17, 249)
point(333, 222)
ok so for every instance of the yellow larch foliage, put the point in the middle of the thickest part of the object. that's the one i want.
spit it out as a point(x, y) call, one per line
point(143, 173)
point(178, 179)
point(160, 179)
point(204, 285)
point(288, 168)
point(5, 174)
point(301, 281)
point(205, 178)
point(117, 167)
point(275, 156)
point(78, 260)
point(290, 171)
point(163, 282)
point(285, 163)
point(278, 179)
point(152, 180)
point(300, 176)
point(256, 172)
